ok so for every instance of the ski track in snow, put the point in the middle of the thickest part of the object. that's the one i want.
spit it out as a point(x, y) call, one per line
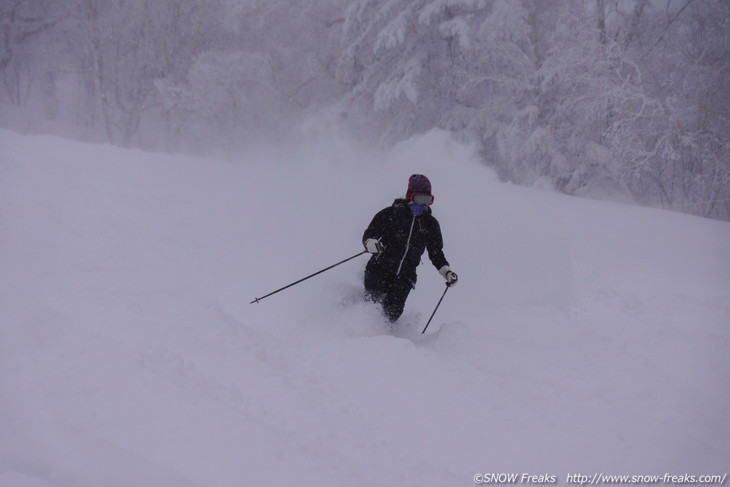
point(583, 336)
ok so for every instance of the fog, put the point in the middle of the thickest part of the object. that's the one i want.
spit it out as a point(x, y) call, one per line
point(612, 99)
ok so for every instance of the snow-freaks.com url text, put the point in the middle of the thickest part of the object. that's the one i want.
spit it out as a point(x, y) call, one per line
point(600, 479)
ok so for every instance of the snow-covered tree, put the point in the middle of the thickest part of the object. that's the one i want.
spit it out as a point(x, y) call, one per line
point(129, 45)
point(272, 62)
point(408, 63)
point(670, 109)
point(607, 98)
point(610, 98)
point(24, 24)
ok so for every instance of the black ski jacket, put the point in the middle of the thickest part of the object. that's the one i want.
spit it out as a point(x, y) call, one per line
point(405, 237)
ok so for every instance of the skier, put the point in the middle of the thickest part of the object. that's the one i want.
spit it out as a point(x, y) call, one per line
point(397, 238)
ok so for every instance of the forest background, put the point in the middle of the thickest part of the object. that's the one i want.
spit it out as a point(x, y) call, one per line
point(626, 100)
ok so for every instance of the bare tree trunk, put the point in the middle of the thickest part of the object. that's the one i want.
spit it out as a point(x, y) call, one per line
point(98, 60)
point(601, 13)
point(634, 26)
point(50, 96)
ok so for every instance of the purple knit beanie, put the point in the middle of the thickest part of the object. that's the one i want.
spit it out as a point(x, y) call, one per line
point(418, 183)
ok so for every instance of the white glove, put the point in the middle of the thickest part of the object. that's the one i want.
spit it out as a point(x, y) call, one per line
point(374, 246)
point(449, 275)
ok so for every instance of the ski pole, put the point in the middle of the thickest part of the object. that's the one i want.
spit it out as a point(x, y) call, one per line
point(256, 300)
point(437, 307)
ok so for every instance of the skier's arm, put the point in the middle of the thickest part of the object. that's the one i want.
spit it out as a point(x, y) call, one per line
point(377, 228)
point(435, 246)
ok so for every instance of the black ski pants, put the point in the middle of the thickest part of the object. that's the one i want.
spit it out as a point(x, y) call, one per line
point(390, 291)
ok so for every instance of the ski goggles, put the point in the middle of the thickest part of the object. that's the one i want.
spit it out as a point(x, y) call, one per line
point(422, 198)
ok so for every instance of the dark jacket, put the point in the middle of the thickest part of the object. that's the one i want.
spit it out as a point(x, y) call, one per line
point(405, 237)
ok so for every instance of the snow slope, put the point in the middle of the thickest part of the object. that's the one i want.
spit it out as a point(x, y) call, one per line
point(583, 337)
